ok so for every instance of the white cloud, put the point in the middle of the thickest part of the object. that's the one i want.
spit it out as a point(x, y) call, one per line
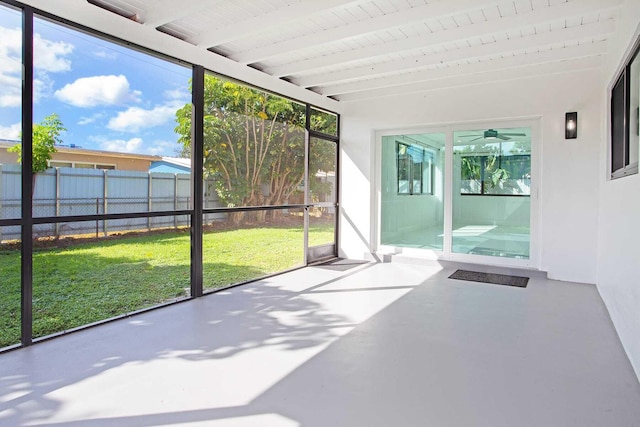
point(136, 118)
point(103, 54)
point(163, 148)
point(87, 120)
point(11, 132)
point(182, 95)
point(133, 145)
point(50, 56)
point(10, 51)
point(97, 90)
point(42, 87)
point(10, 67)
point(10, 91)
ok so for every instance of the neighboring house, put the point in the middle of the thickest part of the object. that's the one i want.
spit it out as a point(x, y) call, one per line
point(171, 165)
point(76, 157)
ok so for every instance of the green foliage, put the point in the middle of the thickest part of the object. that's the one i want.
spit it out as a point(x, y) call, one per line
point(494, 174)
point(253, 144)
point(323, 122)
point(89, 282)
point(497, 175)
point(470, 168)
point(45, 137)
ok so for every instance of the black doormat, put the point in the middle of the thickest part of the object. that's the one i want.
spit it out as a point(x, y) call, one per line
point(496, 279)
point(341, 264)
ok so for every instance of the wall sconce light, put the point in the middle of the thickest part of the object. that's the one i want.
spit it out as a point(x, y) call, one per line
point(571, 125)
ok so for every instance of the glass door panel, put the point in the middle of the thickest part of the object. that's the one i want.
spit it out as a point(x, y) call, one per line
point(412, 191)
point(323, 156)
point(491, 192)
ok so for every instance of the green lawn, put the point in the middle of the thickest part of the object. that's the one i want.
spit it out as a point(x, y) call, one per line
point(89, 282)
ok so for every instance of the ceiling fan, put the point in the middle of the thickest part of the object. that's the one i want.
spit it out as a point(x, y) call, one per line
point(493, 134)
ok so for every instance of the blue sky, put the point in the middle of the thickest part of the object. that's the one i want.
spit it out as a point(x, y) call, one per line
point(108, 97)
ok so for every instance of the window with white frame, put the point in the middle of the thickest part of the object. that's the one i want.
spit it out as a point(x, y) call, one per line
point(415, 169)
point(625, 117)
point(80, 165)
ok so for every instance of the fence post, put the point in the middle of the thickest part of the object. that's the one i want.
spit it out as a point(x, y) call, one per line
point(97, 220)
point(104, 201)
point(175, 199)
point(150, 203)
point(57, 201)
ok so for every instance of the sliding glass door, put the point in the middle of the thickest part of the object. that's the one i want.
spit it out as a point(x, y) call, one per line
point(474, 205)
point(491, 192)
point(412, 191)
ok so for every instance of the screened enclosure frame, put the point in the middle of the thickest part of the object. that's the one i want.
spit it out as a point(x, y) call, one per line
point(195, 213)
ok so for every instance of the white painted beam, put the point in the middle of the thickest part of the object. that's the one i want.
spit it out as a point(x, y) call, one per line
point(265, 22)
point(581, 32)
point(537, 17)
point(530, 71)
point(170, 10)
point(148, 37)
point(466, 71)
point(386, 22)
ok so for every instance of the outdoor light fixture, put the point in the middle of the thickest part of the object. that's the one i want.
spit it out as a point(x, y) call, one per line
point(571, 126)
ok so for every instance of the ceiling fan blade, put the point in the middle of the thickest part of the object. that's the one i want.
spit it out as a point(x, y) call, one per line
point(469, 136)
point(475, 139)
point(513, 134)
point(503, 137)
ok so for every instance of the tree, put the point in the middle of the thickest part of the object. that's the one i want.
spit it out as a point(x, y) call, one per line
point(46, 135)
point(483, 160)
point(253, 145)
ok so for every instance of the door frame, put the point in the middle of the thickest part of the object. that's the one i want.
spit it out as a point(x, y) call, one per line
point(322, 252)
point(533, 262)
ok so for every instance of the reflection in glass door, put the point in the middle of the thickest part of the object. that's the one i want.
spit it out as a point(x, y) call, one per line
point(412, 191)
point(491, 192)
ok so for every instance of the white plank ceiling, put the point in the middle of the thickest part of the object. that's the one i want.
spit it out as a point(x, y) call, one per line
point(360, 49)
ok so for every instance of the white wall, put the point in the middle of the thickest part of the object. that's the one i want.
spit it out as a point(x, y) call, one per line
point(570, 180)
point(619, 235)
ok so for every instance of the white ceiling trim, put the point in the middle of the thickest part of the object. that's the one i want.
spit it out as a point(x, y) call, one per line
point(170, 10)
point(581, 32)
point(518, 61)
point(536, 17)
point(356, 48)
point(265, 22)
point(109, 23)
point(488, 77)
point(398, 19)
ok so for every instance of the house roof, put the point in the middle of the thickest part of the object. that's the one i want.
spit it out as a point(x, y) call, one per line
point(178, 161)
point(78, 150)
point(358, 49)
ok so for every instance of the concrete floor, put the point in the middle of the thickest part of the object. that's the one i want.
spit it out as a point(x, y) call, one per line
point(391, 344)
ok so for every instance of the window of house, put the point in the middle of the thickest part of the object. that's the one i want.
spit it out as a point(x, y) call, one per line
point(495, 175)
point(625, 121)
point(79, 165)
point(53, 164)
point(415, 169)
point(84, 165)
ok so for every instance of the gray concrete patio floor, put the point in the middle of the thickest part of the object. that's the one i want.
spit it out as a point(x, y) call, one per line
point(391, 344)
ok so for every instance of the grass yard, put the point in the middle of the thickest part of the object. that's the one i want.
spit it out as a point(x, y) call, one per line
point(89, 282)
